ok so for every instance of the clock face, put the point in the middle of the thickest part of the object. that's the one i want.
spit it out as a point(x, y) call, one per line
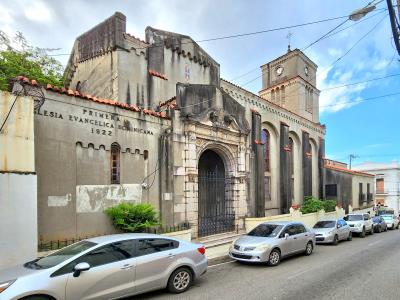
point(279, 70)
point(306, 71)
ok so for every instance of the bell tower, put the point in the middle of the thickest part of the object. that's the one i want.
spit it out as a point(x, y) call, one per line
point(290, 81)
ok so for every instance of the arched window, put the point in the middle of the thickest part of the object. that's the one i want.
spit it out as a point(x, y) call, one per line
point(78, 86)
point(273, 96)
point(283, 96)
point(115, 163)
point(291, 166)
point(278, 95)
point(265, 139)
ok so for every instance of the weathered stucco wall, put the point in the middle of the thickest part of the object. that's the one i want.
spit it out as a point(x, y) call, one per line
point(18, 205)
point(16, 139)
point(73, 158)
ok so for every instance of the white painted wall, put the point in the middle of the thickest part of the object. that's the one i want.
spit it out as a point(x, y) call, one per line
point(18, 218)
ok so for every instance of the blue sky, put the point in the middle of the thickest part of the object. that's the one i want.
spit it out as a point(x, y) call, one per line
point(368, 129)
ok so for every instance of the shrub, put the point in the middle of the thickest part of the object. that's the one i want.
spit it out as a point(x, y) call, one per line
point(133, 217)
point(311, 205)
point(329, 205)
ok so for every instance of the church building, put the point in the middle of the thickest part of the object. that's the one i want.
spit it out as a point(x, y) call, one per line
point(152, 121)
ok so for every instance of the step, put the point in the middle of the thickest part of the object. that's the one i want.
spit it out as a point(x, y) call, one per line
point(219, 239)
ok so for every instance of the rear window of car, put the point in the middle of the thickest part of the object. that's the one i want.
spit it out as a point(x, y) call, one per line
point(353, 218)
point(376, 219)
point(387, 217)
point(325, 224)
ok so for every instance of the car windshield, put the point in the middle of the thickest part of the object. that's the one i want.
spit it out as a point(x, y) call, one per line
point(353, 218)
point(266, 230)
point(387, 217)
point(59, 256)
point(325, 224)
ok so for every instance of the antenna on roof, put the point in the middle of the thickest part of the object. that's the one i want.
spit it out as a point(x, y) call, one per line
point(289, 35)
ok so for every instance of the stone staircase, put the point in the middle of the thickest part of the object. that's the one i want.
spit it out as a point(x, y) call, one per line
point(219, 239)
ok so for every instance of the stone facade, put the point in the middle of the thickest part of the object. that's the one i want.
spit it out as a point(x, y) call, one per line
point(160, 109)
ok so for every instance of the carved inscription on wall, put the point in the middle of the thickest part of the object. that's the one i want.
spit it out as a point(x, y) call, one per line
point(100, 123)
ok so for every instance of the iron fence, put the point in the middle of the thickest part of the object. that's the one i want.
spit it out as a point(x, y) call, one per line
point(61, 243)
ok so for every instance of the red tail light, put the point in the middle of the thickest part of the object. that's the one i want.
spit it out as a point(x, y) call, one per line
point(202, 250)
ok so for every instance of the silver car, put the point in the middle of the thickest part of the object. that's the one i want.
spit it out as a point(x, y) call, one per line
point(392, 221)
point(332, 231)
point(107, 267)
point(271, 241)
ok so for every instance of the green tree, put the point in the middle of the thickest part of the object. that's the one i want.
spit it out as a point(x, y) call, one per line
point(17, 57)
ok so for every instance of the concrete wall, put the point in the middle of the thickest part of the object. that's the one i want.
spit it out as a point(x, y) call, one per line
point(18, 204)
point(17, 139)
point(296, 215)
point(18, 218)
point(73, 137)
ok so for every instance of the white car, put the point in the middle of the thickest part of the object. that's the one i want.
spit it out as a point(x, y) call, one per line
point(360, 223)
point(391, 221)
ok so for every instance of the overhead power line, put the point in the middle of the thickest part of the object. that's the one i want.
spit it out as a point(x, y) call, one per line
point(247, 33)
point(329, 34)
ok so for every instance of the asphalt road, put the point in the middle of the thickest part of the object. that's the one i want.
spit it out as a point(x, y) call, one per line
point(365, 268)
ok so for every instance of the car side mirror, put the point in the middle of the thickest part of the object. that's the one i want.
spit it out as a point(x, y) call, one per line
point(83, 266)
point(286, 236)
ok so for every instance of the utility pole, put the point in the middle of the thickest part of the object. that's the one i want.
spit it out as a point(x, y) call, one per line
point(351, 156)
point(393, 23)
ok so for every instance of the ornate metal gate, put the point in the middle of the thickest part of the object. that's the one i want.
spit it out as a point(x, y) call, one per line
point(215, 202)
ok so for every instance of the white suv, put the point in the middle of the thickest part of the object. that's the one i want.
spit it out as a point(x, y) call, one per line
point(360, 223)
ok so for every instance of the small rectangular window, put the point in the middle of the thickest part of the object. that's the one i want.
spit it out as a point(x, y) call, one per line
point(331, 191)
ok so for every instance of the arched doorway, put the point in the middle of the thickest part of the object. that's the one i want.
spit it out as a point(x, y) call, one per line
point(215, 204)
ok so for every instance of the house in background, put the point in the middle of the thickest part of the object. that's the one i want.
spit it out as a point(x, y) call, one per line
point(348, 187)
point(387, 180)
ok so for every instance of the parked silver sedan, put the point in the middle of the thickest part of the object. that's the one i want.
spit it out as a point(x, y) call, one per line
point(271, 241)
point(332, 231)
point(107, 267)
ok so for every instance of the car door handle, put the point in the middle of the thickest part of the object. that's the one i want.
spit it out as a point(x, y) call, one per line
point(295, 238)
point(306, 234)
point(126, 267)
point(171, 255)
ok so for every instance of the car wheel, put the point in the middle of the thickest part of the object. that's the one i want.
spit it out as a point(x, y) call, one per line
point(180, 280)
point(397, 227)
point(362, 234)
point(372, 231)
point(309, 248)
point(274, 258)
point(350, 237)
point(335, 240)
point(379, 229)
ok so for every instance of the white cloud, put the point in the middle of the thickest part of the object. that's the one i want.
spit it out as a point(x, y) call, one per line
point(5, 16)
point(37, 11)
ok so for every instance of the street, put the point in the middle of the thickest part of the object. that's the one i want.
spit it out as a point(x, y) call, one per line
point(361, 269)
